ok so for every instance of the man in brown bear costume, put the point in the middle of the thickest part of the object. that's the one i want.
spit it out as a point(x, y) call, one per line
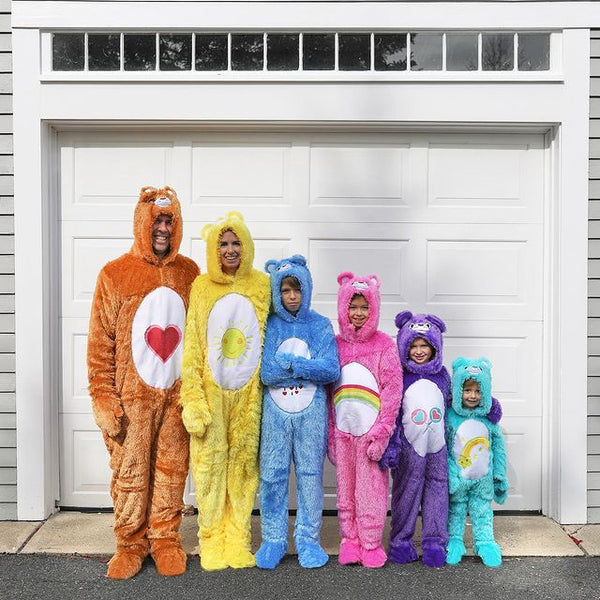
point(134, 365)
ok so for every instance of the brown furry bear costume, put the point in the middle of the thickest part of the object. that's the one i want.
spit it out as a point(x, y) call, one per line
point(134, 364)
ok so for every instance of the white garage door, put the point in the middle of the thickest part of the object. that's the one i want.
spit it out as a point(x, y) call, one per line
point(452, 223)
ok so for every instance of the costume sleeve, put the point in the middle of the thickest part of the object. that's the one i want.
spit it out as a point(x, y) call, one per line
point(196, 412)
point(275, 370)
point(495, 413)
point(454, 478)
point(501, 485)
point(101, 352)
point(331, 426)
point(324, 367)
point(446, 387)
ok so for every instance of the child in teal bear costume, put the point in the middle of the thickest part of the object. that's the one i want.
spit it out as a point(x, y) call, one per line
point(476, 461)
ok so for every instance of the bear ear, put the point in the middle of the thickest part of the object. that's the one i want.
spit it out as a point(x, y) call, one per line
point(235, 216)
point(298, 259)
point(437, 322)
point(402, 318)
point(458, 362)
point(170, 192)
point(271, 265)
point(345, 277)
point(206, 231)
point(148, 193)
point(374, 281)
point(486, 362)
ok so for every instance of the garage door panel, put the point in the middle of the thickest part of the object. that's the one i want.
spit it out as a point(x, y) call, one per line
point(75, 397)
point(516, 360)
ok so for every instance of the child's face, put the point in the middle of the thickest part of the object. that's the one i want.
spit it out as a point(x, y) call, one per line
point(291, 296)
point(358, 311)
point(471, 396)
point(420, 352)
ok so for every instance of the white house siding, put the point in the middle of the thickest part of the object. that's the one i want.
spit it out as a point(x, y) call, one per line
point(594, 287)
point(8, 458)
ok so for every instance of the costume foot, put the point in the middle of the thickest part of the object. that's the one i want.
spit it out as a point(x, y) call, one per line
point(434, 554)
point(403, 552)
point(269, 554)
point(374, 558)
point(239, 557)
point(124, 564)
point(311, 555)
point(455, 551)
point(490, 554)
point(349, 552)
point(212, 556)
point(169, 557)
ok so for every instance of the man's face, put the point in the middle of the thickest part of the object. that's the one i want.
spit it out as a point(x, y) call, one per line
point(162, 229)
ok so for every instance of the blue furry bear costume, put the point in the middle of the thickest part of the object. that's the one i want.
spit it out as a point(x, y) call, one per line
point(299, 358)
point(476, 464)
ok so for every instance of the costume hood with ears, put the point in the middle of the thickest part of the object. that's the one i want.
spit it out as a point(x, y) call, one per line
point(211, 234)
point(367, 286)
point(154, 202)
point(294, 266)
point(428, 327)
point(478, 369)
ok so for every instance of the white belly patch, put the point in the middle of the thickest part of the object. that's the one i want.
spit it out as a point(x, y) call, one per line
point(356, 400)
point(423, 417)
point(234, 341)
point(293, 399)
point(156, 337)
point(471, 449)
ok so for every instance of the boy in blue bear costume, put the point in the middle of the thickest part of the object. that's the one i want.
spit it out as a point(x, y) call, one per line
point(476, 461)
point(299, 358)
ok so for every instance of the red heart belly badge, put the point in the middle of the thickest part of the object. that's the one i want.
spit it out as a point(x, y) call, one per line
point(163, 342)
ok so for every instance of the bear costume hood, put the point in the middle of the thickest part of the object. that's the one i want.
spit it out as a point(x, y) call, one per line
point(211, 234)
point(428, 327)
point(294, 266)
point(367, 286)
point(152, 203)
point(478, 369)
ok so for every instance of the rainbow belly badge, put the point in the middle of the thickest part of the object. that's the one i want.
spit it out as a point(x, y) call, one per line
point(156, 337)
point(234, 341)
point(356, 400)
point(294, 398)
point(472, 449)
point(423, 417)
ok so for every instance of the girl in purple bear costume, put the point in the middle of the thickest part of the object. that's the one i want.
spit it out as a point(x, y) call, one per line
point(417, 451)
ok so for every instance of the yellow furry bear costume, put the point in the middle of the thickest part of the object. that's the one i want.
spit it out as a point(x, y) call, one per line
point(135, 350)
point(221, 395)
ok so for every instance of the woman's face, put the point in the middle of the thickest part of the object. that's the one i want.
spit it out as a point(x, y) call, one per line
point(230, 252)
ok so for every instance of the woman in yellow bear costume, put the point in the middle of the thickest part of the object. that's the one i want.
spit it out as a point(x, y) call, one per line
point(134, 364)
point(221, 391)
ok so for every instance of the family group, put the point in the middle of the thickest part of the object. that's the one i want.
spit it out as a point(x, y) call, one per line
point(231, 373)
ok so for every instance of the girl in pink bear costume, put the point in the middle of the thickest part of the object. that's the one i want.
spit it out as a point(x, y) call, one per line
point(363, 406)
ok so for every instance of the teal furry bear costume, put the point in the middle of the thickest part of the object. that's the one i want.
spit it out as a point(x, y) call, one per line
point(476, 464)
point(299, 358)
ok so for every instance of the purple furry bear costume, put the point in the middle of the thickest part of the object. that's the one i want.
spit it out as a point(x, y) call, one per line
point(417, 450)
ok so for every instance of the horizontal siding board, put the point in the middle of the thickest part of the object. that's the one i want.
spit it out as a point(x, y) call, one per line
point(594, 268)
point(8, 476)
point(8, 421)
point(7, 344)
point(7, 222)
point(7, 286)
point(593, 424)
point(7, 187)
point(593, 498)
point(6, 144)
point(5, 41)
point(593, 463)
point(594, 83)
point(8, 511)
point(7, 264)
point(593, 481)
point(6, 104)
point(7, 402)
point(7, 382)
point(6, 165)
point(8, 438)
point(594, 142)
point(8, 457)
point(593, 306)
point(593, 189)
point(594, 230)
point(7, 205)
point(593, 205)
point(7, 244)
point(594, 288)
point(7, 364)
point(593, 405)
point(7, 323)
point(5, 62)
point(594, 248)
point(8, 493)
point(7, 303)
point(595, 48)
point(594, 167)
point(593, 444)
point(6, 83)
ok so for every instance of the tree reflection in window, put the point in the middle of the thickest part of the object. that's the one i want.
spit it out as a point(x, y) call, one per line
point(104, 51)
point(68, 52)
point(140, 51)
point(175, 52)
point(318, 51)
point(283, 51)
point(425, 51)
point(247, 51)
point(461, 52)
point(534, 51)
point(211, 52)
point(354, 51)
point(390, 52)
point(498, 51)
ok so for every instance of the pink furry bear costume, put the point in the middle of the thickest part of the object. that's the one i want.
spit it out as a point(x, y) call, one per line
point(363, 405)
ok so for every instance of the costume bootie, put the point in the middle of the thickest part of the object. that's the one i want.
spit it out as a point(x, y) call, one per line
point(349, 552)
point(127, 560)
point(311, 555)
point(269, 554)
point(434, 553)
point(455, 551)
point(169, 557)
point(490, 553)
point(373, 558)
point(403, 552)
point(212, 553)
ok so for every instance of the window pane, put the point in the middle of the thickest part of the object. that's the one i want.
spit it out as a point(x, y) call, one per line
point(140, 51)
point(247, 52)
point(534, 51)
point(355, 52)
point(461, 52)
point(318, 51)
point(497, 51)
point(390, 52)
point(426, 51)
point(211, 52)
point(282, 51)
point(104, 51)
point(67, 52)
point(175, 52)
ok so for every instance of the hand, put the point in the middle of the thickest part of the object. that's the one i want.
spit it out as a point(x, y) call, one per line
point(500, 490)
point(453, 485)
point(108, 414)
point(331, 454)
point(391, 456)
point(376, 448)
point(284, 359)
point(193, 420)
